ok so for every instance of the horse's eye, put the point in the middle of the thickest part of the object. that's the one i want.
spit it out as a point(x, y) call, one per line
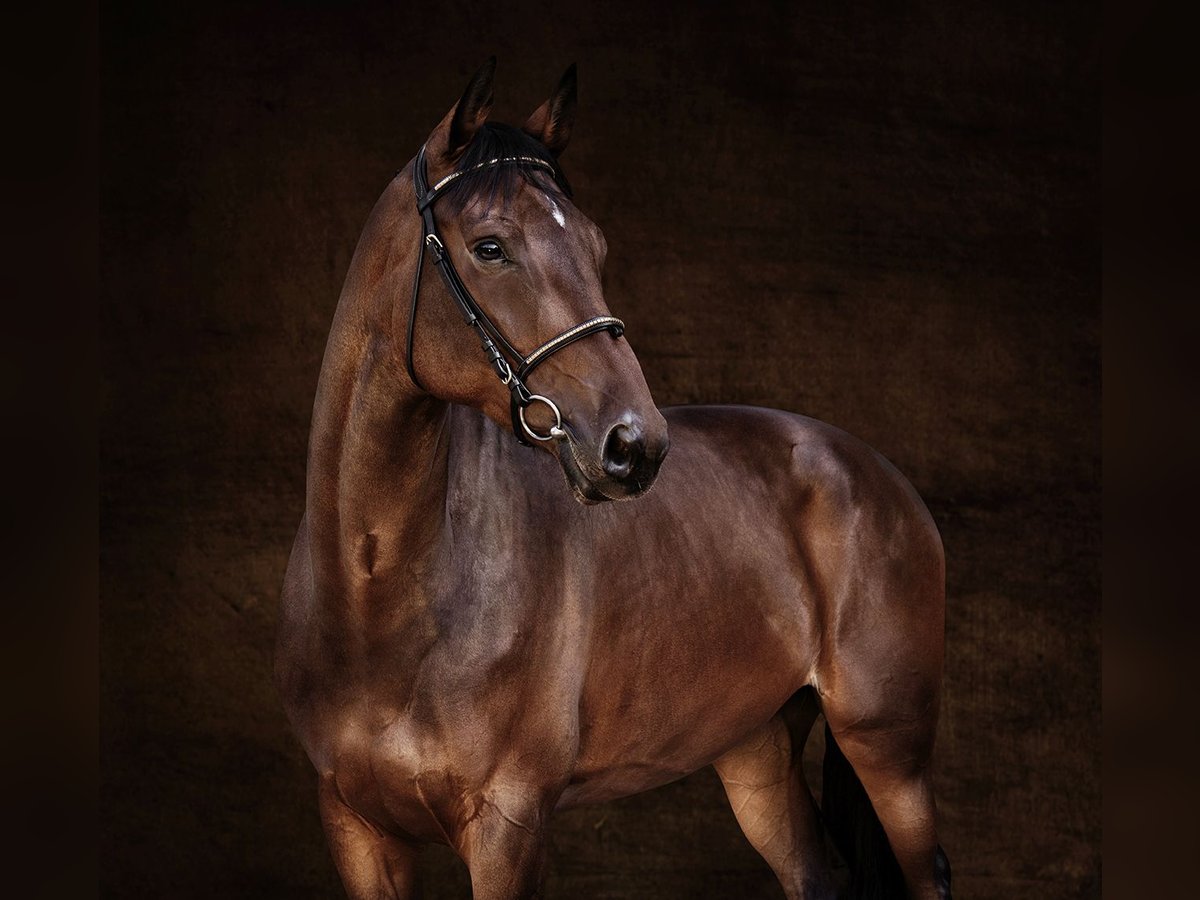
point(489, 251)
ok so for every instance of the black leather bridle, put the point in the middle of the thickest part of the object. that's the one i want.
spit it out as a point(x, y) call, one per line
point(500, 353)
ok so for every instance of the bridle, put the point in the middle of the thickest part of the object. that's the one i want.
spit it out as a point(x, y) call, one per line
point(501, 354)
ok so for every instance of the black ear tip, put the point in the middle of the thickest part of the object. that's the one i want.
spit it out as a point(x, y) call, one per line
point(486, 72)
point(568, 85)
point(480, 88)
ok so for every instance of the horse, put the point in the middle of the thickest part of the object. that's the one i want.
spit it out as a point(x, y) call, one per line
point(466, 646)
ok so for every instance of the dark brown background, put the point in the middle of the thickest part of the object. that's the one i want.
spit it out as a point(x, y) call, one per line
point(887, 218)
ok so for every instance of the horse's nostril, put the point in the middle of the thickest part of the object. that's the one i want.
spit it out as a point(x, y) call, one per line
point(623, 450)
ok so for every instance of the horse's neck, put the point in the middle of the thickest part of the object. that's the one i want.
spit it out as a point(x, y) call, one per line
point(378, 448)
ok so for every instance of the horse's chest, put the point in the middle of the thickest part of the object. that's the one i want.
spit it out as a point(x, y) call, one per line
point(391, 772)
point(413, 758)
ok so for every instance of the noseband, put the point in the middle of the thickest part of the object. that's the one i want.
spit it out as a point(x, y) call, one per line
point(501, 354)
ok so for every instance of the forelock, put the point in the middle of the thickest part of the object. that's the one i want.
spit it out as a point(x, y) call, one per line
point(498, 184)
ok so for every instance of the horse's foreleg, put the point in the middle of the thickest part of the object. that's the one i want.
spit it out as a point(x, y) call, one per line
point(372, 863)
point(503, 844)
point(765, 784)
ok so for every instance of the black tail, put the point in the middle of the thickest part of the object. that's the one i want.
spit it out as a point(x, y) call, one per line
point(856, 832)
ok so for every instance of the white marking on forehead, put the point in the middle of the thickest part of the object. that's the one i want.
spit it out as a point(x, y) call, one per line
point(556, 212)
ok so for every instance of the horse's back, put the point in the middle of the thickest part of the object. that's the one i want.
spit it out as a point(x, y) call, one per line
point(805, 463)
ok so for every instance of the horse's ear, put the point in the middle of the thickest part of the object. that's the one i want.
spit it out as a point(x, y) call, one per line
point(551, 122)
point(456, 130)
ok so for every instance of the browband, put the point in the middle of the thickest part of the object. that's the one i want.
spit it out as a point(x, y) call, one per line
point(487, 164)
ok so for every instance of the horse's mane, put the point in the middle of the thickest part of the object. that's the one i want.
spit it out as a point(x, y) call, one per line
point(499, 183)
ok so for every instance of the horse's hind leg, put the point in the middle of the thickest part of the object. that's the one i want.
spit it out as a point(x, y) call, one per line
point(889, 742)
point(765, 784)
point(372, 864)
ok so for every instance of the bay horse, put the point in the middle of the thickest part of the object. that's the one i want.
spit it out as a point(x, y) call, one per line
point(465, 646)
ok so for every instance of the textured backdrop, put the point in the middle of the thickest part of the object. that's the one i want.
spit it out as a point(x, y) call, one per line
point(887, 218)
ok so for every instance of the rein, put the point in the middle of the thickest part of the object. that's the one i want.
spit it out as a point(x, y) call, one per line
point(501, 354)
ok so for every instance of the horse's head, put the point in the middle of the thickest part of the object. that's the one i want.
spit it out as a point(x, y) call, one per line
point(524, 264)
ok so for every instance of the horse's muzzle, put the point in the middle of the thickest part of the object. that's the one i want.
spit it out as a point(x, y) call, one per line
point(624, 451)
point(623, 466)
